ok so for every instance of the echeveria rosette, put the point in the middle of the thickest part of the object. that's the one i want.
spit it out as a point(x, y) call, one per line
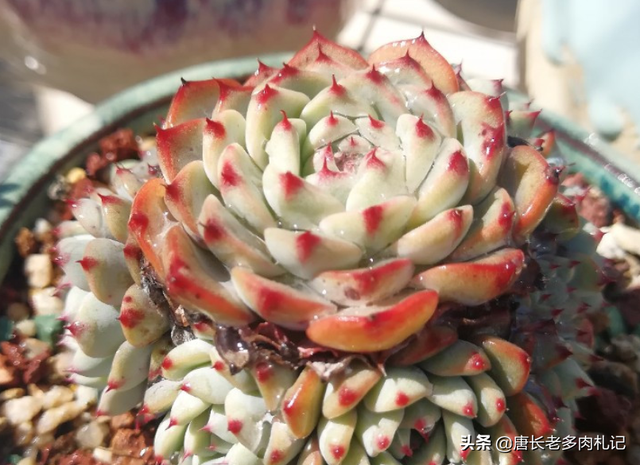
point(368, 261)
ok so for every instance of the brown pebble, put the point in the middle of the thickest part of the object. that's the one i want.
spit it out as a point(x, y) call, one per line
point(8, 374)
point(133, 443)
point(49, 242)
point(81, 189)
point(26, 243)
point(52, 453)
point(125, 420)
point(14, 354)
point(95, 163)
point(119, 146)
point(127, 442)
point(37, 368)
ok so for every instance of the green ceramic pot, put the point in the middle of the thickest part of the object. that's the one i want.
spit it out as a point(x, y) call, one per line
point(23, 194)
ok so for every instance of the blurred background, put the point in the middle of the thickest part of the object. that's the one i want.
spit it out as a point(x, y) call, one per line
point(60, 57)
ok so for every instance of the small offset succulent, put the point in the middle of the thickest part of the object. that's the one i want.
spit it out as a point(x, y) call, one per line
point(339, 261)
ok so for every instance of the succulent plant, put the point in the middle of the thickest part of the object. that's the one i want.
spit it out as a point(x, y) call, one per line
point(338, 261)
